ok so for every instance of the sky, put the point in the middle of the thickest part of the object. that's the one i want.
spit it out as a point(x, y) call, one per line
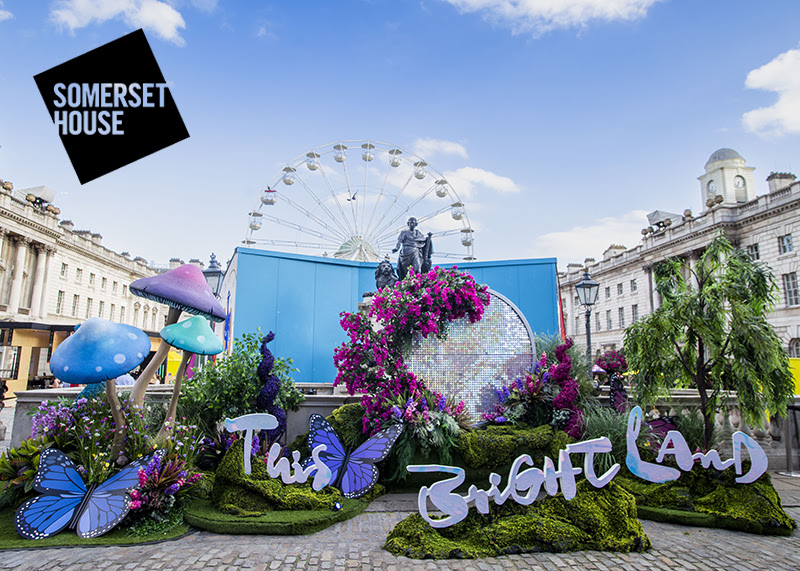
point(558, 123)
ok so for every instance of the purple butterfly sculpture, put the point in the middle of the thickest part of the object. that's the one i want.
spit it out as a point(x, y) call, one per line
point(353, 472)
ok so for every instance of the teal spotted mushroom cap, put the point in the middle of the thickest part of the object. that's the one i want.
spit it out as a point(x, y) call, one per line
point(99, 350)
point(192, 335)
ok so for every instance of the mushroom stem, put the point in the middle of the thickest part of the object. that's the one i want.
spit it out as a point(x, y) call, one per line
point(140, 387)
point(119, 420)
point(176, 391)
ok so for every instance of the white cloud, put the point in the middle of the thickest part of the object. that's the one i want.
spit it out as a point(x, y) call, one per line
point(152, 15)
point(428, 147)
point(465, 179)
point(4, 14)
point(581, 242)
point(781, 75)
point(539, 16)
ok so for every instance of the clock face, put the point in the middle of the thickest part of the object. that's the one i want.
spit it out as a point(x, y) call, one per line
point(712, 188)
point(738, 182)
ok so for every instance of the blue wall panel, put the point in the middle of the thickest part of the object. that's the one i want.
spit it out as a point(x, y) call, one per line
point(300, 298)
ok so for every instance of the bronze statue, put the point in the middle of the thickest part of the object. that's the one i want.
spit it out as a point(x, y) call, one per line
point(416, 250)
point(384, 274)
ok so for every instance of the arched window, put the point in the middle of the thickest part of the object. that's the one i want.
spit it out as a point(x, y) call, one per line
point(794, 348)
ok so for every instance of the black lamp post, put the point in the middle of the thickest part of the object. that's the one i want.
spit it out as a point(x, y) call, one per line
point(587, 290)
point(213, 274)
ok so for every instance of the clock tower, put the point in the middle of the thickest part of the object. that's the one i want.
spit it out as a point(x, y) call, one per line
point(727, 176)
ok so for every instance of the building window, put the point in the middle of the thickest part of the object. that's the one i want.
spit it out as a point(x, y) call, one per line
point(64, 269)
point(619, 289)
point(91, 279)
point(75, 300)
point(135, 317)
point(103, 283)
point(790, 289)
point(100, 308)
point(634, 287)
point(124, 291)
point(634, 313)
point(153, 321)
point(752, 251)
point(122, 314)
point(621, 312)
point(111, 311)
point(59, 302)
point(609, 324)
point(577, 301)
point(114, 288)
point(577, 324)
point(78, 275)
point(794, 348)
point(597, 321)
point(785, 244)
point(608, 293)
point(89, 301)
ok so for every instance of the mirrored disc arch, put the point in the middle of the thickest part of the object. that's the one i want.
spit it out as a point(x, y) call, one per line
point(351, 199)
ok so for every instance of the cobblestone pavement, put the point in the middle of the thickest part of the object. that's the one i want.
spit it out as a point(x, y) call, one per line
point(356, 544)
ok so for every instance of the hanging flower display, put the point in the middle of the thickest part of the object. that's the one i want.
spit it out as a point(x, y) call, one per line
point(372, 361)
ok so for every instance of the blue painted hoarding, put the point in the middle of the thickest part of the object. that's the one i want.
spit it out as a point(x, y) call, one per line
point(300, 298)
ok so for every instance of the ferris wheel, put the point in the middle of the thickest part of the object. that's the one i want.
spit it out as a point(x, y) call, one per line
point(351, 199)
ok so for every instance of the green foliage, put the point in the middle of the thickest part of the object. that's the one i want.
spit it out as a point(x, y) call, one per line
point(149, 527)
point(711, 333)
point(596, 519)
point(226, 387)
point(690, 424)
point(18, 467)
point(605, 421)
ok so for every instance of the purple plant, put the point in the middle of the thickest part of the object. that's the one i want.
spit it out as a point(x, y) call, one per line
point(272, 384)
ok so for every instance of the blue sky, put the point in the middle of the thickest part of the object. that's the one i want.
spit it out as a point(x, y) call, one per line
point(560, 123)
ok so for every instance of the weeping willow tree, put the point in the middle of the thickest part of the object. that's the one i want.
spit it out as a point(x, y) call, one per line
point(711, 333)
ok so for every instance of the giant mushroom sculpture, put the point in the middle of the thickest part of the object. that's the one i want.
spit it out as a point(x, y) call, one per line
point(194, 337)
point(182, 289)
point(99, 351)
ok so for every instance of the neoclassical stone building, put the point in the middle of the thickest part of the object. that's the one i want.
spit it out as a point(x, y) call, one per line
point(54, 276)
point(764, 225)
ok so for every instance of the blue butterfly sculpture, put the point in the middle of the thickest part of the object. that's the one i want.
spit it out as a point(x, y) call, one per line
point(66, 502)
point(353, 472)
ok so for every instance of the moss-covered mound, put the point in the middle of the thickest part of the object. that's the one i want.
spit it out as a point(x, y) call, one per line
point(236, 493)
point(596, 519)
point(712, 498)
point(496, 446)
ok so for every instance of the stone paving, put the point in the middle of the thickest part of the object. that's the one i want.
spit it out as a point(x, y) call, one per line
point(356, 544)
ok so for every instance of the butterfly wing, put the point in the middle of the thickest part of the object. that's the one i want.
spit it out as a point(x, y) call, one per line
point(63, 489)
point(320, 431)
point(109, 502)
point(360, 472)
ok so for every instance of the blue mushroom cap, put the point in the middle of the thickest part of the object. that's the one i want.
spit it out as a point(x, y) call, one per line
point(99, 350)
point(193, 335)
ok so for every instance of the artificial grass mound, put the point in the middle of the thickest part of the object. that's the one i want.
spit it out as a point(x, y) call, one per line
point(203, 514)
point(596, 519)
point(10, 539)
point(711, 498)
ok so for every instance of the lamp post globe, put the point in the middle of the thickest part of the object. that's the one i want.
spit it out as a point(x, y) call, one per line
point(587, 290)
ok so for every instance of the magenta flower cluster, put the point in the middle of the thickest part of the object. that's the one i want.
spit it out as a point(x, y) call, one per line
point(613, 361)
point(567, 397)
point(159, 481)
point(372, 361)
